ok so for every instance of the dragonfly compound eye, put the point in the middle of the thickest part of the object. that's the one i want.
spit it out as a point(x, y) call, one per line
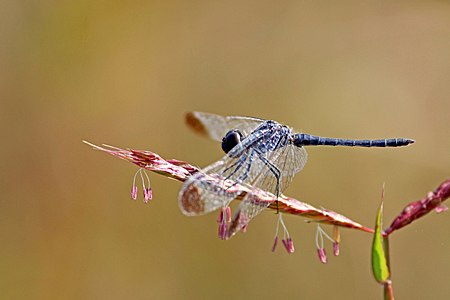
point(231, 139)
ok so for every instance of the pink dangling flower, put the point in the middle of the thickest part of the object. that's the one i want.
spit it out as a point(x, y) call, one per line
point(147, 190)
point(134, 191)
point(322, 255)
point(148, 194)
point(287, 240)
point(223, 220)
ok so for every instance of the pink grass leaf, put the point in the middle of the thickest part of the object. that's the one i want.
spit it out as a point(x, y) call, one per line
point(180, 170)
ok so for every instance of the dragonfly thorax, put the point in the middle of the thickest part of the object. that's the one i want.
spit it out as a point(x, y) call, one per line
point(231, 139)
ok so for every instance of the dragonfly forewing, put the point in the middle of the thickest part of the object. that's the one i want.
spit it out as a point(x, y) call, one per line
point(216, 127)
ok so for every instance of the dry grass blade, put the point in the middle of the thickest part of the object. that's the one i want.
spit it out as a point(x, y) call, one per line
point(181, 170)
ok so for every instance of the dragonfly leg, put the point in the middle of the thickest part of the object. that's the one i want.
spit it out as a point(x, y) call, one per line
point(244, 175)
point(238, 164)
point(276, 173)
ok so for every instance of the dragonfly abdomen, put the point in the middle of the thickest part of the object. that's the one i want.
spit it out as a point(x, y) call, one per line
point(303, 139)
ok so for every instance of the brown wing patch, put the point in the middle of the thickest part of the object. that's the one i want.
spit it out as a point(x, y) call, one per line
point(195, 124)
point(191, 202)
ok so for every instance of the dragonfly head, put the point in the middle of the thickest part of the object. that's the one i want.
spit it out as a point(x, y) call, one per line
point(231, 139)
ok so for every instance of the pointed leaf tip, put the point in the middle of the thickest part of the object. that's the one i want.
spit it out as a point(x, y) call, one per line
point(380, 267)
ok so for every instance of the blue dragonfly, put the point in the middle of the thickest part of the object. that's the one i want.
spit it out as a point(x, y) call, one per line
point(259, 154)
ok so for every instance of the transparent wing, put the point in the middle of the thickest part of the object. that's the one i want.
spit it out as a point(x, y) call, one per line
point(289, 160)
point(216, 127)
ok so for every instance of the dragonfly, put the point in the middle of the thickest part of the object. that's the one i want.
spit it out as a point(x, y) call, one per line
point(259, 154)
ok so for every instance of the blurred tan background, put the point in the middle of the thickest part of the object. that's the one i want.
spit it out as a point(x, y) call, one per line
point(125, 73)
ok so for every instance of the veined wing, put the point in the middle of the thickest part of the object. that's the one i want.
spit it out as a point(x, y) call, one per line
point(289, 160)
point(216, 126)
